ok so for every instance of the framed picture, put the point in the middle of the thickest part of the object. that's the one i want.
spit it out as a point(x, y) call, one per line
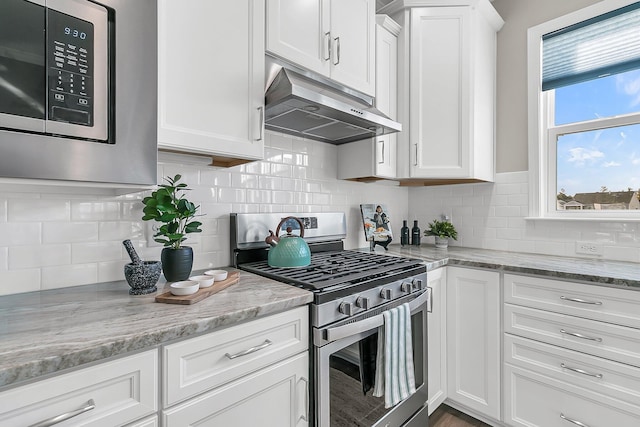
point(377, 224)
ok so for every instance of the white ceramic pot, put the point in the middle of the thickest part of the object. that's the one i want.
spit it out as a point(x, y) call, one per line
point(442, 242)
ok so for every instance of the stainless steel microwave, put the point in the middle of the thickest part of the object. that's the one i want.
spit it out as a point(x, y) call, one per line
point(78, 90)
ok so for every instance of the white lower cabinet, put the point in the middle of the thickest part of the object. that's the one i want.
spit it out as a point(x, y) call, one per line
point(473, 340)
point(437, 338)
point(115, 393)
point(272, 397)
point(571, 354)
point(255, 373)
point(147, 422)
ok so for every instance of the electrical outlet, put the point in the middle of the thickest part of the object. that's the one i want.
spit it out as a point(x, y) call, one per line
point(589, 248)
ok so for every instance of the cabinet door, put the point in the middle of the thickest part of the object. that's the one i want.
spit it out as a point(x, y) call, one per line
point(440, 90)
point(473, 339)
point(353, 35)
point(211, 77)
point(437, 338)
point(298, 31)
point(386, 99)
point(276, 396)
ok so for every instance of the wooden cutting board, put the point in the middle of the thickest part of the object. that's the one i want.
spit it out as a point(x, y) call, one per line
point(202, 293)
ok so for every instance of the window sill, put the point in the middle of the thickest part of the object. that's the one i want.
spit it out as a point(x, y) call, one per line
point(583, 219)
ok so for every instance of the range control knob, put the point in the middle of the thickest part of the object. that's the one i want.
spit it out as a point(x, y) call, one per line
point(385, 293)
point(346, 308)
point(362, 302)
point(406, 287)
point(417, 284)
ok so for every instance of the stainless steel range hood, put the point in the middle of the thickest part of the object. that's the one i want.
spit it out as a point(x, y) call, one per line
point(302, 106)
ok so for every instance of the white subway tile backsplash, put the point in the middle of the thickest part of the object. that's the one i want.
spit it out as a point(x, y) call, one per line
point(82, 253)
point(231, 195)
point(69, 275)
point(4, 258)
point(36, 210)
point(21, 233)
point(95, 211)
point(18, 281)
point(116, 230)
point(69, 232)
point(3, 210)
point(111, 271)
point(34, 256)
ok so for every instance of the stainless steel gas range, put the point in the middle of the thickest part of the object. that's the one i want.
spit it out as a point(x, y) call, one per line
point(352, 290)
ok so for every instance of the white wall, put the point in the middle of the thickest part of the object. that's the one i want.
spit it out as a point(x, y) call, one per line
point(519, 15)
point(58, 240)
point(492, 216)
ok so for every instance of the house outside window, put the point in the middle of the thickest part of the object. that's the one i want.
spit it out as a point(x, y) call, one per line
point(584, 114)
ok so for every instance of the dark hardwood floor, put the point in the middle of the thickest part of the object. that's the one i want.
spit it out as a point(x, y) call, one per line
point(446, 416)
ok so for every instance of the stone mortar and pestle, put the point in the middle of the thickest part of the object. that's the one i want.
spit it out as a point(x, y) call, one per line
point(142, 276)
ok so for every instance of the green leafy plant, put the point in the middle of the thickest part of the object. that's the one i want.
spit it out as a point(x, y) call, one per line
point(168, 206)
point(442, 229)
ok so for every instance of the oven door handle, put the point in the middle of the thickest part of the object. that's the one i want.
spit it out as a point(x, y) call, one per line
point(339, 332)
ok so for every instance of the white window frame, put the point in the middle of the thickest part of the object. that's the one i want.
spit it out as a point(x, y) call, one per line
point(543, 132)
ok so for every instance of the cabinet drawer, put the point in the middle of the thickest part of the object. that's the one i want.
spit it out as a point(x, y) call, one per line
point(199, 364)
point(613, 342)
point(619, 306)
point(276, 396)
point(535, 400)
point(599, 375)
point(122, 390)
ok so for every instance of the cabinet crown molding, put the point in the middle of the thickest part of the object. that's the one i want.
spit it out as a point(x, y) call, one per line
point(484, 6)
point(388, 24)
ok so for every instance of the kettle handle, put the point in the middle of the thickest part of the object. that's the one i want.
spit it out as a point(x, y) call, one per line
point(290, 217)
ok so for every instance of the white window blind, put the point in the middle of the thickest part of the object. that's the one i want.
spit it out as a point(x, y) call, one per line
point(601, 46)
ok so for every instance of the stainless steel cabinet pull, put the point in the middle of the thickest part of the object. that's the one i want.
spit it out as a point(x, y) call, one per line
point(415, 163)
point(305, 417)
point(63, 417)
point(337, 40)
point(578, 423)
point(577, 335)
point(382, 160)
point(328, 39)
point(261, 109)
point(265, 344)
point(430, 290)
point(581, 301)
point(580, 371)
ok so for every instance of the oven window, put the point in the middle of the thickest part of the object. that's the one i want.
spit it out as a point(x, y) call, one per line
point(352, 372)
point(22, 59)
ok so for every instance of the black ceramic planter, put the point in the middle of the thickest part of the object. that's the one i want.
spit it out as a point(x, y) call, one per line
point(177, 263)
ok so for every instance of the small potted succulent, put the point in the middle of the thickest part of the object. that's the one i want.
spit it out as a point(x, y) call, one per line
point(443, 231)
point(168, 206)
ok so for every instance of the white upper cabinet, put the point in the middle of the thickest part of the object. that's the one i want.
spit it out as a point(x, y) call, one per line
point(374, 159)
point(334, 38)
point(447, 90)
point(211, 78)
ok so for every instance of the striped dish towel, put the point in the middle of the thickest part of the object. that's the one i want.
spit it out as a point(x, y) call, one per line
point(395, 379)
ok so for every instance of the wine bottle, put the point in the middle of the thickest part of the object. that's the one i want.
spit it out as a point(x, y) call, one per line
point(404, 233)
point(415, 234)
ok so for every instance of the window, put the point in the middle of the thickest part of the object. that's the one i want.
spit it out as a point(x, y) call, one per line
point(584, 113)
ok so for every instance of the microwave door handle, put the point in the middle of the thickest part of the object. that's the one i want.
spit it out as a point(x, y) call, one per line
point(350, 329)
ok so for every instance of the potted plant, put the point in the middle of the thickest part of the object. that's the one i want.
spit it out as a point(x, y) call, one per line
point(168, 206)
point(443, 231)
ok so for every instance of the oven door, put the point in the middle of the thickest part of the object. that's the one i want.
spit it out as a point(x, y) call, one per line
point(344, 363)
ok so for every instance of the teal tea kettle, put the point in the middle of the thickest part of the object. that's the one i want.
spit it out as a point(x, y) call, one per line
point(288, 251)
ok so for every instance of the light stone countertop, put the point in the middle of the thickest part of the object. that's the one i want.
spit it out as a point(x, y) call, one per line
point(49, 331)
point(596, 271)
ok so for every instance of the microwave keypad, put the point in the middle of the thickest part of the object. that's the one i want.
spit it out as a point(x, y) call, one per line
point(70, 79)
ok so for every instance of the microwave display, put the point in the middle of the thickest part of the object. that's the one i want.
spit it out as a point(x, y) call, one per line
point(54, 68)
point(70, 65)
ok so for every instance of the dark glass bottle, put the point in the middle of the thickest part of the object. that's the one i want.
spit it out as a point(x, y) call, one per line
point(404, 233)
point(415, 234)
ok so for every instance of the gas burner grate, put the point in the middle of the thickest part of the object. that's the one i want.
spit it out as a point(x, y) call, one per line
point(335, 269)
